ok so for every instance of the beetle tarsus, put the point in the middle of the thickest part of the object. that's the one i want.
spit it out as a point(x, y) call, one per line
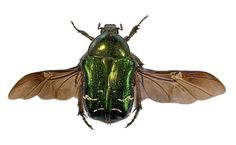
point(135, 116)
point(83, 32)
point(85, 121)
point(134, 30)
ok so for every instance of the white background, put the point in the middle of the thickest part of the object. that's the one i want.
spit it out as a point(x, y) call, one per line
point(183, 34)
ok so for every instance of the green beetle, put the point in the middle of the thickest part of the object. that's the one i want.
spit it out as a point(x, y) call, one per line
point(110, 80)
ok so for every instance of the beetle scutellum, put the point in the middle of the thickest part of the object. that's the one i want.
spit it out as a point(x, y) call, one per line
point(110, 80)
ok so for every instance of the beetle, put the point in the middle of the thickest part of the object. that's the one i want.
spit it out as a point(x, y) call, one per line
point(110, 81)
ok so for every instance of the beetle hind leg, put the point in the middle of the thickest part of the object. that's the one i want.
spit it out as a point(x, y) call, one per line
point(81, 106)
point(85, 121)
point(137, 109)
point(81, 113)
point(138, 99)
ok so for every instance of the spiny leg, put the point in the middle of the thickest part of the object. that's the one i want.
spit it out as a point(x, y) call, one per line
point(85, 121)
point(79, 95)
point(135, 116)
point(134, 30)
point(138, 99)
point(83, 32)
point(81, 113)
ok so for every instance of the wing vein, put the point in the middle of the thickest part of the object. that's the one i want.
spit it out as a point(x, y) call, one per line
point(148, 77)
point(76, 83)
point(187, 90)
point(195, 87)
point(202, 78)
point(142, 83)
point(64, 83)
point(43, 82)
point(62, 76)
point(163, 79)
point(22, 83)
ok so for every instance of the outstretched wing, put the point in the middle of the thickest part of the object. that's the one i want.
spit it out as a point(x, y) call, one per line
point(178, 86)
point(51, 84)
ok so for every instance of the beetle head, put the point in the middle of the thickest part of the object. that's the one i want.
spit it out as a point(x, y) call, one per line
point(110, 28)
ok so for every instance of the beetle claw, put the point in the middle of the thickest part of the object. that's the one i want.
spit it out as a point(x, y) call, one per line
point(85, 121)
point(137, 109)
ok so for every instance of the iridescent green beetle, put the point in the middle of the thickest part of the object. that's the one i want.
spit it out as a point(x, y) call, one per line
point(110, 80)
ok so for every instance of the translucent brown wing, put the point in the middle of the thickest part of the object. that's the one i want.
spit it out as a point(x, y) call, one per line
point(51, 84)
point(178, 86)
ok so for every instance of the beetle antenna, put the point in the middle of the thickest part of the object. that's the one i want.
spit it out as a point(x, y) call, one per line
point(99, 24)
point(121, 27)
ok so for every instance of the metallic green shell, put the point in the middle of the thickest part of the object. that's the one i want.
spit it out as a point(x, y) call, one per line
point(109, 71)
point(109, 45)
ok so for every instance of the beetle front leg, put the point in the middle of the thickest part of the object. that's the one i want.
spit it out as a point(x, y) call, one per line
point(138, 99)
point(83, 32)
point(134, 30)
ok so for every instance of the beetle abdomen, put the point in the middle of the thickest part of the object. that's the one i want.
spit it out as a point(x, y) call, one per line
point(108, 88)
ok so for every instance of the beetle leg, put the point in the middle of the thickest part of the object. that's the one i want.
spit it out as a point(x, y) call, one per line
point(134, 30)
point(137, 60)
point(79, 93)
point(135, 116)
point(81, 113)
point(85, 121)
point(83, 32)
point(138, 100)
